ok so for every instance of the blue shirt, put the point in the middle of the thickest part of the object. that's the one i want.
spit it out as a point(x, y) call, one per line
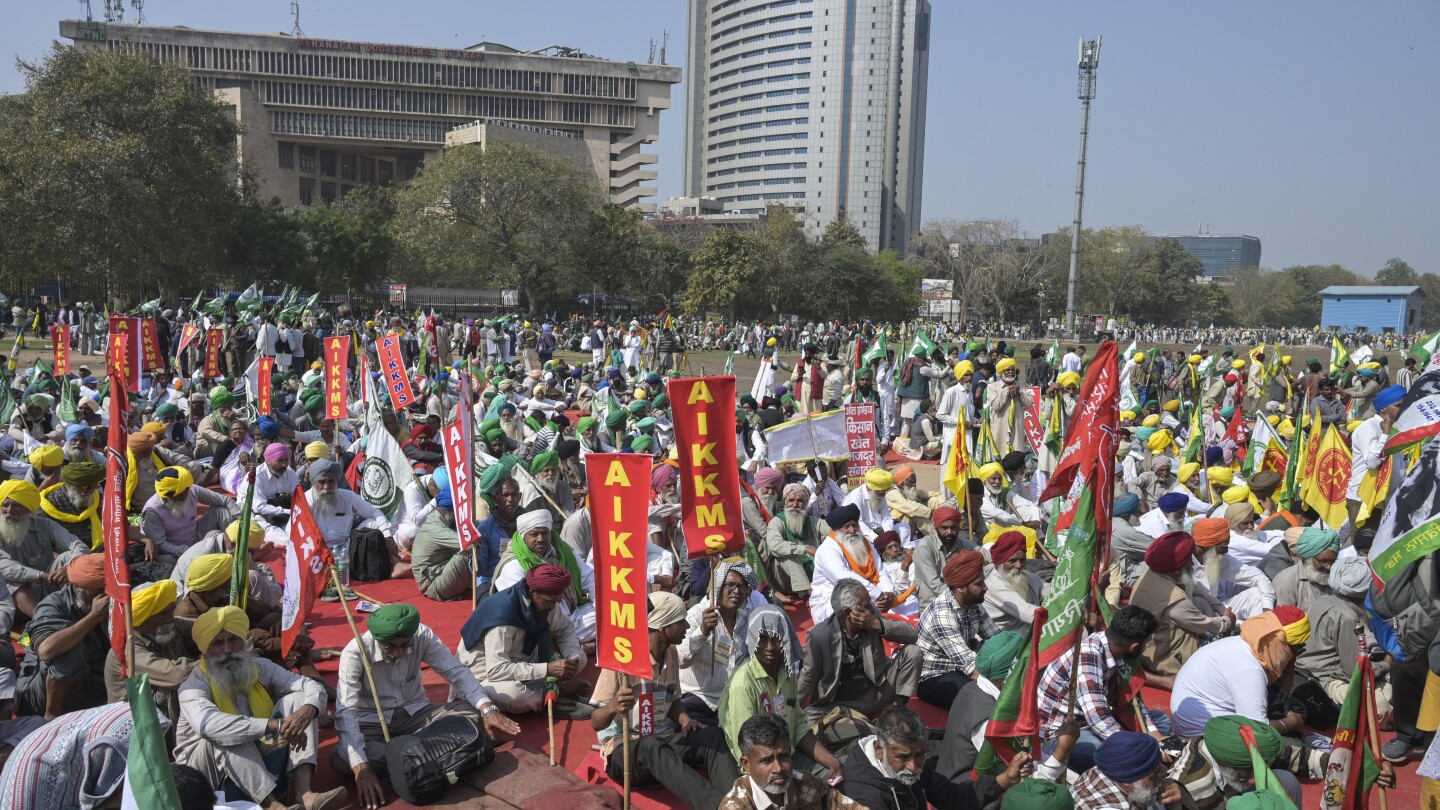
point(492, 537)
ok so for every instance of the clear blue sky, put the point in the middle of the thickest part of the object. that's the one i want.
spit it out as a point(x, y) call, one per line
point(1311, 125)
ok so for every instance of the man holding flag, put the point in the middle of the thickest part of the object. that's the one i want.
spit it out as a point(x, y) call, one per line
point(1367, 445)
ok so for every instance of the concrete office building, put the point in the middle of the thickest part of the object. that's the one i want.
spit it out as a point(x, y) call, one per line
point(814, 104)
point(322, 116)
point(1221, 255)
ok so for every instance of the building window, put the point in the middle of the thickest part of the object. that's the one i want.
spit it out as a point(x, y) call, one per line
point(307, 191)
point(327, 162)
point(287, 155)
point(387, 172)
point(307, 159)
point(367, 170)
point(327, 191)
point(347, 167)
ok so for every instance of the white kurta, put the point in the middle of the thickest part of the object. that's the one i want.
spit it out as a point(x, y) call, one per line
point(831, 567)
point(582, 617)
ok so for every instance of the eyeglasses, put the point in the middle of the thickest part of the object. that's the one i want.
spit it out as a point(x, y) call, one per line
point(735, 587)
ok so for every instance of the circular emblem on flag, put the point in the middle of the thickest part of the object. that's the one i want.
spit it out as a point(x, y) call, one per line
point(1334, 475)
point(377, 482)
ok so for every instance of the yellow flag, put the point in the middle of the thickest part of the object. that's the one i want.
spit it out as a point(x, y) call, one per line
point(1374, 488)
point(1330, 479)
point(957, 466)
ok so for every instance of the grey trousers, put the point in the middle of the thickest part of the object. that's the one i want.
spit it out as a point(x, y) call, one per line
point(242, 764)
point(900, 679)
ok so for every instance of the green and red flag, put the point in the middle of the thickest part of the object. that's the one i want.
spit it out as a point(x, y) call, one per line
point(1016, 718)
point(1409, 529)
point(1346, 785)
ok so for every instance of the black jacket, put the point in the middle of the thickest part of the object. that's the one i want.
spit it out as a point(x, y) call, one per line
point(866, 785)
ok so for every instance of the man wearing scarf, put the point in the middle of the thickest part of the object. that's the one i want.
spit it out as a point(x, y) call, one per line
point(667, 538)
point(146, 462)
point(45, 462)
point(1329, 656)
point(1217, 767)
point(397, 644)
point(545, 480)
point(34, 550)
point(845, 663)
point(952, 628)
point(1012, 594)
point(164, 651)
point(757, 510)
point(247, 721)
point(64, 666)
point(1155, 482)
point(520, 644)
point(677, 745)
point(999, 507)
point(263, 587)
point(791, 540)
point(1303, 583)
point(714, 621)
point(1168, 514)
point(74, 502)
point(847, 554)
point(340, 512)
point(1242, 587)
point(533, 544)
point(762, 667)
point(207, 586)
point(1187, 614)
point(1233, 675)
point(169, 517)
point(875, 514)
point(78, 438)
point(33, 419)
point(1007, 400)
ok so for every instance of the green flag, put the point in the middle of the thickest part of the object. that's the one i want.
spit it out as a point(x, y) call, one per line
point(1068, 602)
point(195, 305)
point(1423, 352)
point(1052, 355)
point(1339, 356)
point(1342, 779)
point(1195, 443)
point(66, 409)
point(922, 343)
point(1290, 487)
point(251, 300)
point(149, 782)
point(1016, 717)
point(7, 401)
point(240, 572)
point(876, 352)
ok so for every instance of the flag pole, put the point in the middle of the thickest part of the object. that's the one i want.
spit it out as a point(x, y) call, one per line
point(364, 653)
point(1368, 697)
point(625, 754)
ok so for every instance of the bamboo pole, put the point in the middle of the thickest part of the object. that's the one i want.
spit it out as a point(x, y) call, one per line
point(364, 654)
point(625, 751)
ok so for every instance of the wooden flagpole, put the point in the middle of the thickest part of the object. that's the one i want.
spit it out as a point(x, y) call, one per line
point(625, 756)
point(364, 653)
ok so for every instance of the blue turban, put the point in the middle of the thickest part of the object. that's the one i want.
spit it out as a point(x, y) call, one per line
point(1128, 505)
point(1389, 396)
point(1213, 456)
point(443, 498)
point(1367, 373)
point(268, 427)
point(1128, 756)
point(79, 430)
point(441, 477)
point(1172, 502)
point(1144, 433)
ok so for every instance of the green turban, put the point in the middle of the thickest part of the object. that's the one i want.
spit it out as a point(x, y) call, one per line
point(493, 435)
point(642, 444)
point(997, 655)
point(788, 399)
point(167, 411)
point(39, 401)
point(545, 461)
point(1009, 351)
point(974, 346)
point(1223, 741)
point(645, 425)
point(638, 406)
point(1143, 434)
point(1259, 800)
point(1315, 541)
point(1037, 794)
point(659, 400)
point(509, 461)
point(918, 351)
point(615, 420)
point(489, 425)
point(585, 423)
point(491, 478)
point(82, 473)
point(220, 397)
point(394, 622)
point(1227, 412)
point(311, 399)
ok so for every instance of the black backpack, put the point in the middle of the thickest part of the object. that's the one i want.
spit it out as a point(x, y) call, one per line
point(369, 557)
point(423, 765)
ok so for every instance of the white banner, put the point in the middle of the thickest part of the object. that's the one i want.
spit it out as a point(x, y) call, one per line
point(817, 436)
point(764, 381)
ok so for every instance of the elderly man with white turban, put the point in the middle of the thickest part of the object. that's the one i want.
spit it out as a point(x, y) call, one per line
point(1329, 656)
point(876, 518)
point(848, 554)
point(534, 544)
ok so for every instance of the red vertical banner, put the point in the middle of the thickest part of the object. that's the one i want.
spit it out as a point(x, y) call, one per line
point(392, 366)
point(1034, 428)
point(114, 521)
point(150, 355)
point(337, 372)
point(60, 341)
point(458, 465)
point(307, 561)
point(264, 385)
point(619, 513)
point(860, 438)
point(213, 341)
point(127, 361)
point(117, 357)
point(188, 333)
point(704, 415)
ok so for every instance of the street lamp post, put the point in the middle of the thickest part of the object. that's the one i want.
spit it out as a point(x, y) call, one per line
point(1089, 62)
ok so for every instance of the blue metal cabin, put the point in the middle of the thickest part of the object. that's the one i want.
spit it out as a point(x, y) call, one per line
point(1376, 310)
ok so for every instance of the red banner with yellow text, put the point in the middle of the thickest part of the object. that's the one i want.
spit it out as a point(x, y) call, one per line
point(307, 564)
point(704, 415)
point(337, 371)
point(264, 384)
point(392, 368)
point(60, 341)
point(213, 341)
point(150, 354)
point(619, 514)
point(114, 521)
point(188, 333)
point(458, 464)
point(126, 360)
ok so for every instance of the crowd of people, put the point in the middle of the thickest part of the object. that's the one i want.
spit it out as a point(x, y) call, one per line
point(1237, 600)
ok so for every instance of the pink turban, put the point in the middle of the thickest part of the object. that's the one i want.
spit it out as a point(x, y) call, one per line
point(276, 451)
point(662, 475)
point(769, 477)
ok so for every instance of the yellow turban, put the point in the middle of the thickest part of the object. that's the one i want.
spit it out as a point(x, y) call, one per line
point(1159, 440)
point(1005, 365)
point(964, 367)
point(990, 471)
point(1238, 494)
point(1127, 416)
point(879, 480)
point(640, 393)
point(1297, 632)
point(173, 482)
point(1139, 357)
point(49, 455)
point(1153, 420)
point(22, 492)
point(157, 428)
point(257, 534)
point(230, 619)
point(1186, 470)
point(1285, 359)
point(1238, 364)
point(317, 449)
point(1068, 378)
point(1371, 364)
point(1287, 431)
point(1273, 419)
point(1172, 406)
point(1354, 423)
point(148, 600)
point(1194, 359)
point(1220, 476)
point(209, 571)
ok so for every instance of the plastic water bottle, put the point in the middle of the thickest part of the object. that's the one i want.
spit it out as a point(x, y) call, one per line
point(342, 563)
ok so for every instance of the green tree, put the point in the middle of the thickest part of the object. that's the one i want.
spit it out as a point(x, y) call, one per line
point(725, 263)
point(842, 232)
point(267, 243)
point(1430, 303)
point(351, 241)
point(1397, 273)
point(1165, 286)
point(1311, 279)
point(113, 164)
point(606, 253)
point(785, 255)
point(1264, 298)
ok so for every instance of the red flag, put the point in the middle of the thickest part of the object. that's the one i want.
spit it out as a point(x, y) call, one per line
point(60, 341)
point(150, 355)
point(337, 372)
point(1090, 443)
point(212, 352)
point(704, 415)
point(620, 491)
point(264, 384)
point(392, 367)
point(458, 464)
point(188, 333)
point(307, 563)
point(123, 355)
point(114, 520)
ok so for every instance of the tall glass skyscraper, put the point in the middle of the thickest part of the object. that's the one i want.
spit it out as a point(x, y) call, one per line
point(818, 105)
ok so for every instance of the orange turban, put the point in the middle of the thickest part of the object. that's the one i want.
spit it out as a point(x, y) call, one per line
point(87, 571)
point(963, 569)
point(1210, 531)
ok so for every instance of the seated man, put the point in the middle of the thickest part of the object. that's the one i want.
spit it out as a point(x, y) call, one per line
point(677, 745)
point(164, 650)
point(247, 724)
point(1011, 593)
point(1244, 590)
point(1102, 704)
point(169, 517)
point(1167, 516)
point(1188, 615)
point(770, 779)
point(340, 512)
point(952, 628)
point(1329, 654)
point(845, 662)
point(1303, 583)
point(791, 540)
point(1129, 774)
point(763, 683)
point(1218, 766)
point(1127, 546)
point(875, 515)
point(889, 765)
point(520, 644)
point(74, 502)
point(848, 555)
point(757, 510)
point(1246, 544)
point(949, 536)
point(534, 544)
point(1233, 675)
point(275, 486)
point(999, 507)
point(970, 713)
point(502, 493)
point(146, 461)
point(215, 427)
point(263, 586)
point(207, 586)
point(549, 491)
point(34, 550)
point(442, 571)
point(909, 503)
point(45, 463)
point(706, 653)
point(64, 666)
point(418, 499)
point(397, 644)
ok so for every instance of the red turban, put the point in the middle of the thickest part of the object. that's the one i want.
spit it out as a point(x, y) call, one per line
point(550, 580)
point(885, 538)
point(1006, 546)
point(1170, 552)
point(1210, 531)
point(944, 514)
point(963, 569)
point(87, 571)
point(420, 433)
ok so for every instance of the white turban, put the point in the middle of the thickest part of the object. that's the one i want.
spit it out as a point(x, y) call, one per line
point(1350, 576)
point(534, 519)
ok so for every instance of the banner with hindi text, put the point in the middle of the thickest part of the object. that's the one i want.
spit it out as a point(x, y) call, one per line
point(60, 342)
point(392, 369)
point(619, 513)
point(337, 372)
point(704, 416)
point(860, 437)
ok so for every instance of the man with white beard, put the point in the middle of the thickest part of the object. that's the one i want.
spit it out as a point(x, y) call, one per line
point(1154, 483)
point(848, 554)
point(758, 510)
point(999, 507)
point(791, 539)
point(1187, 614)
point(875, 514)
point(1129, 774)
point(909, 503)
point(34, 550)
point(244, 718)
point(1012, 594)
point(1309, 579)
point(534, 544)
point(77, 445)
point(169, 518)
point(163, 653)
point(1167, 516)
point(545, 479)
point(1007, 400)
point(1243, 588)
point(339, 512)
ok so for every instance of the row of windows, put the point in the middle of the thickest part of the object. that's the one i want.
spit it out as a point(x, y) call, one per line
point(789, 32)
point(286, 122)
point(779, 122)
point(422, 101)
point(784, 77)
point(773, 108)
point(766, 167)
point(755, 9)
point(361, 168)
point(439, 74)
point(769, 195)
point(769, 181)
point(798, 150)
point(784, 136)
point(758, 52)
point(783, 18)
point(748, 97)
